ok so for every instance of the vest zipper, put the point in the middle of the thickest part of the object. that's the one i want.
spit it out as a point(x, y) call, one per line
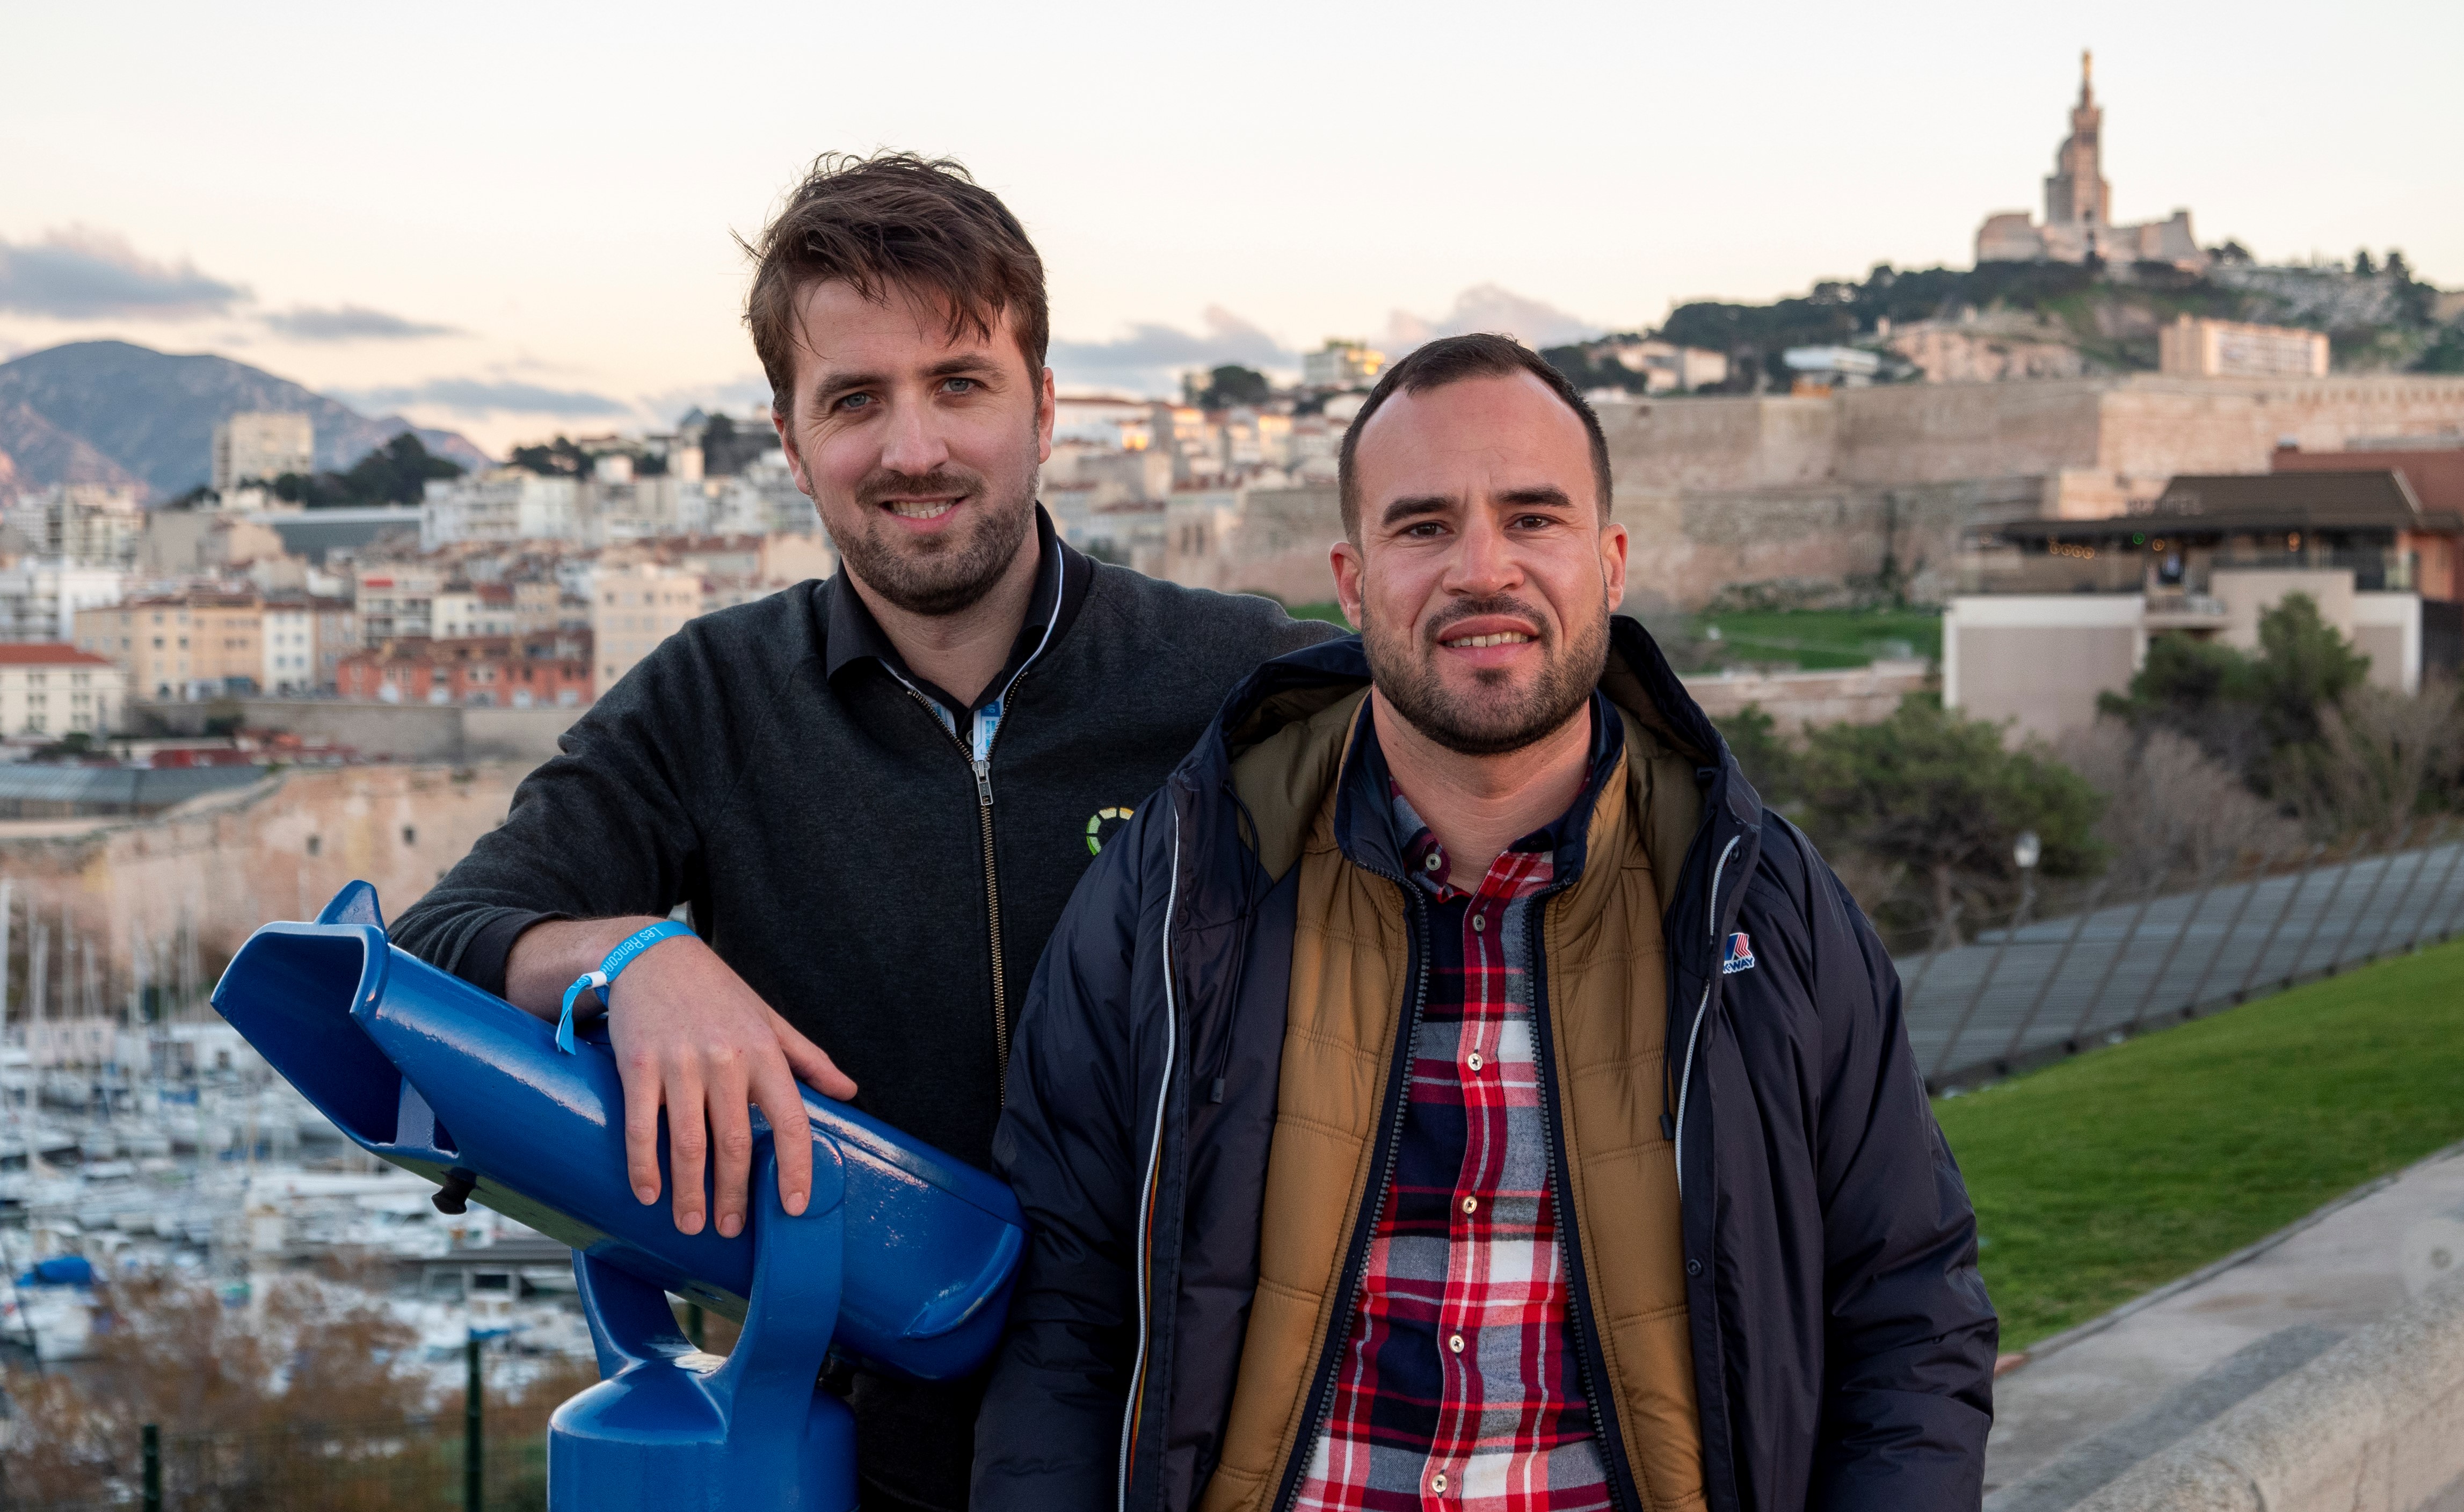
point(1571, 1243)
point(1357, 1263)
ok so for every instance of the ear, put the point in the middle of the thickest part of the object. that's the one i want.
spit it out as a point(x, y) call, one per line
point(1614, 545)
point(795, 453)
point(1351, 585)
point(1047, 409)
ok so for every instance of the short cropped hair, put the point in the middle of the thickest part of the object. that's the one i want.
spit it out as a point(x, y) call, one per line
point(894, 222)
point(1450, 359)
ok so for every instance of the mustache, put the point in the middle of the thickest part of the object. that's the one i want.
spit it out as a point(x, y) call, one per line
point(1497, 604)
point(882, 483)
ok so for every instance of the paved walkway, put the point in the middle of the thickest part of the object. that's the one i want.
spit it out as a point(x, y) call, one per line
point(2088, 1404)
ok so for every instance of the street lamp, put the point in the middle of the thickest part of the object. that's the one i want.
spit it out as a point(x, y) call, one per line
point(2027, 851)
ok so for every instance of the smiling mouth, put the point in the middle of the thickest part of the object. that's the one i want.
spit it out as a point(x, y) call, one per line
point(920, 509)
point(1501, 638)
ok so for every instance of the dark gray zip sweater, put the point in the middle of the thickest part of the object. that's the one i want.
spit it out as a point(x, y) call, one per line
point(829, 838)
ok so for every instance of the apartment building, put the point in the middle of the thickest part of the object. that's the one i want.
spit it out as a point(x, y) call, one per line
point(633, 607)
point(48, 688)
point(304, 639)
point(203, 643)
point(506, 672)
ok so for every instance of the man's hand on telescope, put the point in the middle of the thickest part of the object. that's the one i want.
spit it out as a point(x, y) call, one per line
point(692, 1038)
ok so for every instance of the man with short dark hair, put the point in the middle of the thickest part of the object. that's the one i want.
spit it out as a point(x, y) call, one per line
point(872, 794)
point(1456, 1089)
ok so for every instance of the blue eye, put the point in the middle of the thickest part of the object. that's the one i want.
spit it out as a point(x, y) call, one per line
point(849, 401)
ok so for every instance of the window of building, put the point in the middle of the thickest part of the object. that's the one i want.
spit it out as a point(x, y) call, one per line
point(410, 835)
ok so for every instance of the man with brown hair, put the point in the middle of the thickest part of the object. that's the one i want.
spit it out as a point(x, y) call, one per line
point(873, 793)
point(1456, 1089)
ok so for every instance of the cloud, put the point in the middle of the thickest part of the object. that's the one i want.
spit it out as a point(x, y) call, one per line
point(82, 274)
point(1152, 355)
point(1489, 307)
point(749, 393)
point(476, 396)
point(350, 322)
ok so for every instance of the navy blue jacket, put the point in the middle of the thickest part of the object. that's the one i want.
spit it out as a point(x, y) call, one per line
point(1844, 1345)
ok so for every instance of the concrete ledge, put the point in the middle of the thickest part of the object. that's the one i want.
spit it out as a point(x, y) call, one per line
point(1794, 699)
point(2376, 1424)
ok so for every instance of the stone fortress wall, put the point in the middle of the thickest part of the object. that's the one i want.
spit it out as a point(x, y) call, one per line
point(1795, 498)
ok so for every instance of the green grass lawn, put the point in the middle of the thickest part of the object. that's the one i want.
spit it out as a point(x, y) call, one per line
point(1329, 611)
point(2106, 1175)
point(1818, 639)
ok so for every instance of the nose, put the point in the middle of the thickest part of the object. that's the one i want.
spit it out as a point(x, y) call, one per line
point(1484, 561)
point(914, 443)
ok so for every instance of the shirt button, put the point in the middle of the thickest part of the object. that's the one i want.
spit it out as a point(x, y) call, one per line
point(1471, 1204)
point(1478, 923)
point(1454, 1343)
point(1433, 863)
point(1474, 1060)
point(1438, 1483)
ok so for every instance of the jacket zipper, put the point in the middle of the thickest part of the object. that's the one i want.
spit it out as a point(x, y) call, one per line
point(1357, 1263)
point(1149, 1187)
point(1686, 1078)
point(1573, 1241)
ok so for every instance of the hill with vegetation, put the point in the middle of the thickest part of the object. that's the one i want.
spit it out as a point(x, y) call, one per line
point(124, 415)
point(2378, 317)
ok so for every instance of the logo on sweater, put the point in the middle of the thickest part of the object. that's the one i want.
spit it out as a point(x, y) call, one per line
point(1740, 957)
point(1102, 825)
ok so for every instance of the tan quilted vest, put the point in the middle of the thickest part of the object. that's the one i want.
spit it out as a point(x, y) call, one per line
point(1608, 1016)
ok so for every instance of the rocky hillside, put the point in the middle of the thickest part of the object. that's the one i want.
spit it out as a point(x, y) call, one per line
point(116, 413)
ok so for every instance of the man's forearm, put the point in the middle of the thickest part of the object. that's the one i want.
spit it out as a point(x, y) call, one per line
point(549, 956)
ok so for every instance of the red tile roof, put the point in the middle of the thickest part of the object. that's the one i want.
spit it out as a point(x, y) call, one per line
point(46, 653)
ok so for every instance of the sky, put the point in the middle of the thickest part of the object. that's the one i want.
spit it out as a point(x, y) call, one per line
point(519, 219)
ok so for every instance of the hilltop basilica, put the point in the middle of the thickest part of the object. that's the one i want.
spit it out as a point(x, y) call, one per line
point(2078, 207)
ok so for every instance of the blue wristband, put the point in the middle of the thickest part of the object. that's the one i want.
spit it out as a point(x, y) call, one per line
point(597, 982)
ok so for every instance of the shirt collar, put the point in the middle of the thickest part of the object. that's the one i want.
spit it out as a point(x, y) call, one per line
point(854, 635)
point(1373, 792)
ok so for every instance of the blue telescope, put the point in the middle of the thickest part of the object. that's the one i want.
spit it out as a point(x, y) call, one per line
point(902, 1259)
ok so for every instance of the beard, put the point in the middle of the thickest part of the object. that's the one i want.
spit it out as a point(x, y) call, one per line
point(1495, 718)
point(941, 575)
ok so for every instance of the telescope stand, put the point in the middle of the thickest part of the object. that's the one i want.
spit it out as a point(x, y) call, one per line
point(669, 1427)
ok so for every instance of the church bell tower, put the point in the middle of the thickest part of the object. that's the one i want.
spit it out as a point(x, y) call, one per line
point(2075, 191)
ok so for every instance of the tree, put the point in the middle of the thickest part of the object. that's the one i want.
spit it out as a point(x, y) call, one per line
point(1233, 385)
point(557, 459)
point(397, 473)
point(2363, 267)
point(2265, 715)
point(1940, 799)
point(1768, 764)
point(2305, 666)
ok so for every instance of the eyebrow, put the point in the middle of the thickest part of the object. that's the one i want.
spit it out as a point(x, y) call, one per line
point(1546, 495)
point(1415, 506)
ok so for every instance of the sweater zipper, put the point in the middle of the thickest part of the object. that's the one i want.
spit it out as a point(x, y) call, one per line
point(1357, 1263)
point(982, 768)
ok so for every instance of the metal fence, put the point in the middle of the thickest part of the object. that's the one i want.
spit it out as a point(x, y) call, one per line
point(2039, 988)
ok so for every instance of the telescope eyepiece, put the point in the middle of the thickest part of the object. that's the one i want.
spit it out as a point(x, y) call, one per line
point(455, 1197)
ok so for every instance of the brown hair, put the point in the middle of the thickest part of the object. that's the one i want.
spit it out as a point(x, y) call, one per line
point(896, 221)
point(1450, 359)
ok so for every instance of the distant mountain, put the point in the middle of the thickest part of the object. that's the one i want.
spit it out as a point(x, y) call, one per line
point(112, 412)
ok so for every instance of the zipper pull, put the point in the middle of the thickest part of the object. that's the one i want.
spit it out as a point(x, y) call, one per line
point(983, 781)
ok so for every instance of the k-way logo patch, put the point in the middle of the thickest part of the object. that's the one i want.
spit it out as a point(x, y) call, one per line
point(1740, 957)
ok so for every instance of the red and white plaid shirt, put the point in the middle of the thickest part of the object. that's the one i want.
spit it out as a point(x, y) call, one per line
point(1458, 1383)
